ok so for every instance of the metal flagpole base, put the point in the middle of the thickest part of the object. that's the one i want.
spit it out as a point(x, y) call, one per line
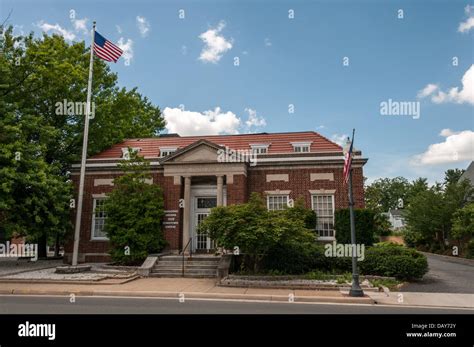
point(356, 290)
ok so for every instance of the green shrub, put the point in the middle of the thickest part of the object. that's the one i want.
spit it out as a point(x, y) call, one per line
point(259, 232)
point(134, 212)
point(365, 225)
point(393, 261)
point(298, 258)
point(470, 249)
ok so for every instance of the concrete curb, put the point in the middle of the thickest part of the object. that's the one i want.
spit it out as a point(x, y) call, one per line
point(194, 295)
point(45, 281)
point(450, 259)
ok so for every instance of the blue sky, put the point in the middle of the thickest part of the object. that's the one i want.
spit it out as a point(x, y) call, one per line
point(187, 66)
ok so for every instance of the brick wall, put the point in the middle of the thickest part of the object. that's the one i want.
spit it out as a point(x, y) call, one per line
point(237, 192)
point(299, 183)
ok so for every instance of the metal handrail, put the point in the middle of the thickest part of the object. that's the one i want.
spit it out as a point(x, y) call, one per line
point(190, 254)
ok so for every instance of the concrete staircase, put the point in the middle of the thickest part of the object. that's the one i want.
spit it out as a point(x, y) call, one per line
point(199, 266)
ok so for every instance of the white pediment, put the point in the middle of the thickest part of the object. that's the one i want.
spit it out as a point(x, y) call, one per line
point(200, 153)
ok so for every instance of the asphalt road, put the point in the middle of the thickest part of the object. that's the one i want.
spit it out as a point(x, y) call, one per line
point(13, 304)
point(444, 277)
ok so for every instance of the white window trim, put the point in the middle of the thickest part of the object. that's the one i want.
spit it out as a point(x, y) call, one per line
point(257, 146)
point(125, 153)
point(275, 195)
point(301, 144)
point(167, 149)
point(325, 238)
point(95, 238)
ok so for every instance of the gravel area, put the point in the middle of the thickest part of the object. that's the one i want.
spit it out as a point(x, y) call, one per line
point(9, 266)
point(45, 270)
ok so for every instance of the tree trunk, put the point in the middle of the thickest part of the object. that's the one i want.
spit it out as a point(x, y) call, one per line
point(42, 242)
point(56, 246)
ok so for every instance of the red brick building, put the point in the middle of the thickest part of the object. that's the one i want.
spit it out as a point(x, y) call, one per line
point(197, 173)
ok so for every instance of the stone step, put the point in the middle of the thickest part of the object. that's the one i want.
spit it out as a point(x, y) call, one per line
point(193, 258)
point(186, 275)
point(171, 270)
point(186, 263)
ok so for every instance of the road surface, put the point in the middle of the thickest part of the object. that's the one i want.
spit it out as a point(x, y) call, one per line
point(444, 277)
point(22, 304)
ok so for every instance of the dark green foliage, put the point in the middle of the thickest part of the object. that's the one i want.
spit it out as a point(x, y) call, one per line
point(256, 231)
point(393, 261)
point(37, 74)
point(364, 223)
point(134, 214)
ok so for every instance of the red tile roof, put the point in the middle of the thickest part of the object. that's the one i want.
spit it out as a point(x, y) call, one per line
point(279, 143)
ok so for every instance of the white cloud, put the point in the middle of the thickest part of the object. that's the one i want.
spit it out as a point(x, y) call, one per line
point(80, 25)
point(143, 26)
point(457, 147)
point(184, 50)
point(428, 90)
point(267, 42)
point(254, 120)
point(215, 44)
point(211, 122)
point(465, 95)
point(127, 48)
point(57, 29)
point(339, 139)
point(119, 28)
point(468, 24)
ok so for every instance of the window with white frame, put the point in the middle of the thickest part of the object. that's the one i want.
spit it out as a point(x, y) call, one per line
point(323, 205)
point(165, 151)
point(260, 148)
point(126, 151)
point(301, 147)
point(277, 202)
point(98, 220)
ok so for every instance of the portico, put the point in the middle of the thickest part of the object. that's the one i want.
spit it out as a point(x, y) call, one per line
point(205, 182)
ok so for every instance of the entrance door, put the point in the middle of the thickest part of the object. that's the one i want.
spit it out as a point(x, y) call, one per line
point(202, 208)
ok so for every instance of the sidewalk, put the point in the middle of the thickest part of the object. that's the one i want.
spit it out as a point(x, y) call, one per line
point(177, 287)
point(424, 299)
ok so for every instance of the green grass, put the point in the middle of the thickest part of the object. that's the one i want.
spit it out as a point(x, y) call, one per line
point(389, 283)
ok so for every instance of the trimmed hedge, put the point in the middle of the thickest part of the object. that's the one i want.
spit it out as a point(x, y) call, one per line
point(302, 258)
point(364, 223)
point(394, 261)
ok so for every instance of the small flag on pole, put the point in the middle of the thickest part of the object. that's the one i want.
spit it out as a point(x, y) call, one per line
point(105, 49)
point(348, 162)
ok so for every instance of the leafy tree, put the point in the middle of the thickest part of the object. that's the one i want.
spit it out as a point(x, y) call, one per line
point(34, 198)
point(463, 224)
point(452, 176)
point(383, 194)
point(365, 226)
point(417, 186)
point(134, 211)
point(254, 229)
point(37, 76)
point(425, 216)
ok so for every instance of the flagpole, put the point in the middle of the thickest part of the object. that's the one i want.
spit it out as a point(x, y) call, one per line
point(77, 231)
point(355, 290)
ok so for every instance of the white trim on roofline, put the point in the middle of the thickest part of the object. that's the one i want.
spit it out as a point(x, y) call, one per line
point(273, 159)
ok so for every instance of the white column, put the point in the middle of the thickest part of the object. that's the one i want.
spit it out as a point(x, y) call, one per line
point(186, 212)
point(220, 190)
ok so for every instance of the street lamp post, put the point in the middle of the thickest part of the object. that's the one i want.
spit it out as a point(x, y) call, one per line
point(355, 290)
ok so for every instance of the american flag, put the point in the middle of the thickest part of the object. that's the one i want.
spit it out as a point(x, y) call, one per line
point(348, 162)
point(105, 49)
